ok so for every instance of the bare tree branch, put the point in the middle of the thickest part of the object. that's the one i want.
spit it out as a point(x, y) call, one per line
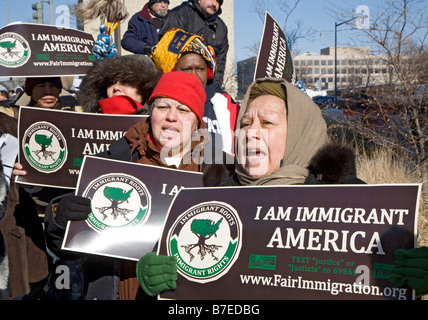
point(293, 33)
point(397, 114)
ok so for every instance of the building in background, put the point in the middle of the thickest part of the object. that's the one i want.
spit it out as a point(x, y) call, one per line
point(356, 67)
point(245, 70)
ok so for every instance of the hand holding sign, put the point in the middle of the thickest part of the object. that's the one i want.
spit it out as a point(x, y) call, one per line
point(157, 273)
point(72, 208)
point(411, 267)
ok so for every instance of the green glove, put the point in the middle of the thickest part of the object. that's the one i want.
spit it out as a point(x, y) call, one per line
point(411, 267)
point(157, 273)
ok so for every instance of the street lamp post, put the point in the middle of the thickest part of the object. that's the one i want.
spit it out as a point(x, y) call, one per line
point(7, 11)
point(335, 52)
point(50, 11)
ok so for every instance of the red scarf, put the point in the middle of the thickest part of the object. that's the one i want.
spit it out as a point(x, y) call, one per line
point(119, 105)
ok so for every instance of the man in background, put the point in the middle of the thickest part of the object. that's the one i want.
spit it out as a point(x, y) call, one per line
point(202, 17)
point(5, 100)
point(4, 95)
point(44, 92)
point(144, 26)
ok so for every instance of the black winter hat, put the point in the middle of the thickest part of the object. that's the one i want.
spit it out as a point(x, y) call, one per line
point(152, 2)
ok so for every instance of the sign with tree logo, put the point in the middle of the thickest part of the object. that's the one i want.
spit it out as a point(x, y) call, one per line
point(54, 142)
point(289, 242)
point(35, 50)
point(129, 203)
point(206, 239)
point(118, 200)
point(44, 147)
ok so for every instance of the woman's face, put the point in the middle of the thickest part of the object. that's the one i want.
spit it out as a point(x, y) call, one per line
point(172, 125)
point(119, 88)
point(193, 63)
point(262, 136)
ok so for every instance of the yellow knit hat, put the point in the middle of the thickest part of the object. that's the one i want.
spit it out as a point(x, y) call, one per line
point(175, 43)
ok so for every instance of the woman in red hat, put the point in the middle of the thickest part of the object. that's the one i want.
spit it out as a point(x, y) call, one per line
point(169, 137)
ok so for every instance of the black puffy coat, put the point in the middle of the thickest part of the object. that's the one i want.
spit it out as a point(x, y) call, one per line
point(189, 17)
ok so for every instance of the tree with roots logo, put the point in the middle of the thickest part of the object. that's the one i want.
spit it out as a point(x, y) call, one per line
point(116, 196)
point(203, 229)
point(44, 142)
point(8, 45)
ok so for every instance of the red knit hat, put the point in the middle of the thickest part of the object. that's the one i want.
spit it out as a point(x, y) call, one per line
point(183, 87)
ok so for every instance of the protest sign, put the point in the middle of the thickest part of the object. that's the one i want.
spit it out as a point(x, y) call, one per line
point(289, 242)
point(54, 142)
point(36, 50)
point(274, 58)
point(129, 204)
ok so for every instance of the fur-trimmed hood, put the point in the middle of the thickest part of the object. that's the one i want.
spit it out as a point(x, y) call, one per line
point(135, 69)
point(333, 164)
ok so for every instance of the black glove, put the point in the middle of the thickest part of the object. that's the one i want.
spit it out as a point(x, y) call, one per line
point(147, 49)
point(72, 207)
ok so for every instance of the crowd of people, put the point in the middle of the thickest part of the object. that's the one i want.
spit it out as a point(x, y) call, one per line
point(277, 136)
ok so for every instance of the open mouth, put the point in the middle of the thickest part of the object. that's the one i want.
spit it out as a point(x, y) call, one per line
point(168, 131)
point(255, 155)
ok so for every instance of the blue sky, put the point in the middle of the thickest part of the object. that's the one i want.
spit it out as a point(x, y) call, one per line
point(21, 10)
point(315, 14)
point(318, 15)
